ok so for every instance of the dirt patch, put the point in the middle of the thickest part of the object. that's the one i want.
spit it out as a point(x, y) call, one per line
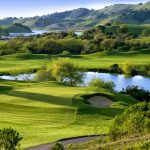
point(100, 101)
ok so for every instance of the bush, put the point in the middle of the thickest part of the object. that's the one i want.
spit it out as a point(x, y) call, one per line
point(57, 146)
point(137, 93)
point(115, 68)
point(66, 53)
point(97, 84)
point(9, 139)
point(43, 75)
point(127, 68)
point(67, 72)
point(135, 120)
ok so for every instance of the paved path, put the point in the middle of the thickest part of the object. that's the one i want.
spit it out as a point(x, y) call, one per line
point(65, 142)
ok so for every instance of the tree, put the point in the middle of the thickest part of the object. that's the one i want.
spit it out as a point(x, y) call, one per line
point(97, 84)
point(127, 68)
point(138, 93)
point(0, 32)
point(66, 72)
point(43, 75)
point(72, 45)
point(98, 38)
point(115, 68)
point(146, 32)
point(134, 121)
point(108, 44)
point(9, 139)
point(48, 46)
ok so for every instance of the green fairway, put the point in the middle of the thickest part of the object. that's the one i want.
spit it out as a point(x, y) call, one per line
point(43, 112)
point(98, 60)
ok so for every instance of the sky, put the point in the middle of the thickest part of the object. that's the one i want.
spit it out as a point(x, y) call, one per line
point(29, 8)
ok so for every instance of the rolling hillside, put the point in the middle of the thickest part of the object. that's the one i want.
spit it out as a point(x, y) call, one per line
point(16, 28)
point(83, 18)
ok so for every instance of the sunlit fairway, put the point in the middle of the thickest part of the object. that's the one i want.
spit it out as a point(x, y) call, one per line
point(98, 60)
point(44, 112)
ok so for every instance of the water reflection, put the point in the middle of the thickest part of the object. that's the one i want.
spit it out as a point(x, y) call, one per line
point(121, 81)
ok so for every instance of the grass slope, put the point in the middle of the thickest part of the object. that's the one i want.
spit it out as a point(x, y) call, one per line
point(133, 29)
point(16, 28)
point(98, 60)
point(43, 112)
point(133, 143)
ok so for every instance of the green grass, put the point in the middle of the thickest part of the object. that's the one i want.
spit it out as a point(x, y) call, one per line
point(98, 60)
point(43, 112)
point(133, 29)
point(141, 40)
point(14, 28)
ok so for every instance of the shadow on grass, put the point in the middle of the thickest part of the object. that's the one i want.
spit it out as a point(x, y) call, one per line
point(41, 97)
point(5, 88)
point(107, 112)
point(32, 56)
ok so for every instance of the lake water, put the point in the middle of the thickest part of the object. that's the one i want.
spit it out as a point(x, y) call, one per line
point(35, 32)
point(120, 80)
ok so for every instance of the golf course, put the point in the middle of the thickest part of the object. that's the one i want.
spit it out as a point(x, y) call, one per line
point(22, 62)
point(48, 111)
point(74, 75)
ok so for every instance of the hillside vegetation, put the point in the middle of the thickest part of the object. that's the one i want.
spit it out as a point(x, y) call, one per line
point(84, 18)
point(15, 28)
point(130, 130)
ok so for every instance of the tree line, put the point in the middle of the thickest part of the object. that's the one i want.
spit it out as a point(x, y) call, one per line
point(93, 40)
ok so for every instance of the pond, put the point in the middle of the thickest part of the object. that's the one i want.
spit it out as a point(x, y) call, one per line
point(120, 80)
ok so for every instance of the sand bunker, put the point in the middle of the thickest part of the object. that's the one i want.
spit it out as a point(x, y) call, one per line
point(100, 101)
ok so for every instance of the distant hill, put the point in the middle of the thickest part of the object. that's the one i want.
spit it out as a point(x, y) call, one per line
point(16, 28)
point(83, 18)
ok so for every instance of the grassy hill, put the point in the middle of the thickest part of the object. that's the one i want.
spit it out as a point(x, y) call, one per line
point(12, 63)
point(83, 18)
point(44, 112)
point(16, 28)
point(131, 28)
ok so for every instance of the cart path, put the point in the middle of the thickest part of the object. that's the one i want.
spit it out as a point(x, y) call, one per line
point(65, 142)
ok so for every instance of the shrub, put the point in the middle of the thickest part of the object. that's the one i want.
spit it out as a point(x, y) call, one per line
point(127, 68)
point(9, 139)
point(66, 53)
point(135, 120)
point(97, 84)
point(43, 75)
point(137, 93)
point(61, 70)
point(67, 72)
point(115, 68)
point(57, 146)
